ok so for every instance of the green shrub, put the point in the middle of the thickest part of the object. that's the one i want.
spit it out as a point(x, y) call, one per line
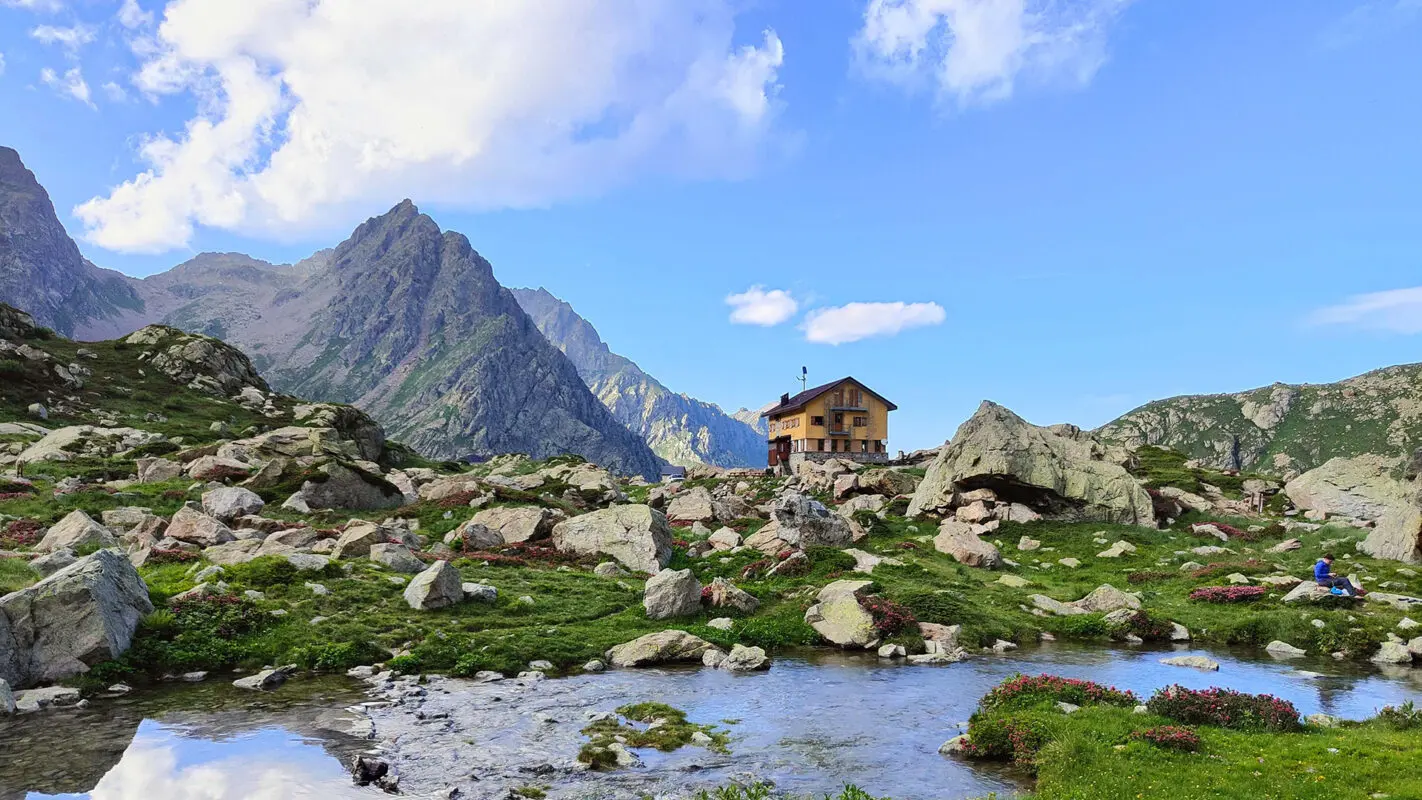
point(404, 665)
point(336, 656)
point(774, 632)
point(1404, 717)
point(1225, 708)
point(268, 571)
point(1015, 737)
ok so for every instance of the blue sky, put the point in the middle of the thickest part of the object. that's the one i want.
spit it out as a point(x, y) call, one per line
point(1083, 206)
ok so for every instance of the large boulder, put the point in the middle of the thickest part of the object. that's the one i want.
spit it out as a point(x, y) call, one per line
point(231, 502)
point(1361, 487)
point(351, 423)
point(958, 540)
point(1061, 471)
point(76, 531)
point(357, 539)
point(194, 527)
point(721, 593)
point(217, 468)
point(888, 482)
point(398, 558)
point(692, 505)
point(839, 618)
point(200, 362)
point(75, 618)
point(662, 647)
point(157, 470)
point(347, 486)
point(799, 521)
point(672, 593)
point(1397, 535)
point(1107, 598)
point(637, 536)
point(435, 588)
point(516, 523)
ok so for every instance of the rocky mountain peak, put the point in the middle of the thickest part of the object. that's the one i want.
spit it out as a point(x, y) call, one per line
point(41, 269)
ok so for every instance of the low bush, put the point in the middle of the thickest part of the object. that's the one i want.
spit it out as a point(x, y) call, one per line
point(1149, 628)
point(20, 533)
point(1146, 576)
point(1025, 691)
point(1404, 717)
point(267, 571)
point(890, 618)
point(1170, 737)
point(1224, 708)
point(1228, 594)
point(336, 656)
point(1018, 738)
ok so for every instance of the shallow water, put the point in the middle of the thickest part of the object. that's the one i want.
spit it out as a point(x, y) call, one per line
point(811, 724)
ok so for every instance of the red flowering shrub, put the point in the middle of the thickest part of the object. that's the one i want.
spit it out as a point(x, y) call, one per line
point(20, 533)
point(457, 500)
point(1149, 628)
point(1229, 530)
point(174, 556)
point(889, 617)
point(1248, 566)
point(1225, 708)
point(1171, 737)
point(12, 495)
point(1228, 594)
point(174, 494)
point(1020, 691)
point(756, 569)
point(908, 545)
point(1146, 576)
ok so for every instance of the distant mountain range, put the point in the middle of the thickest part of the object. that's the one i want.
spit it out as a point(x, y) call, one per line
point(680, 429)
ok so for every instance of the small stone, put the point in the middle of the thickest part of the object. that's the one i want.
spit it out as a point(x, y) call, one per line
point(892, 651)
point(1069, 562)
point(721, 623)
point(1194, 662)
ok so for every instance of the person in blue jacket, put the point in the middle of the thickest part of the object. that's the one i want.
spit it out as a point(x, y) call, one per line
point(1323, 576)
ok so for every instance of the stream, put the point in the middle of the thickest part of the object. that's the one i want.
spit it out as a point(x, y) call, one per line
point(815, 721)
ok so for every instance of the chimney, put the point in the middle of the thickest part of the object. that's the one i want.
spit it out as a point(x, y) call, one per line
point(784, 398)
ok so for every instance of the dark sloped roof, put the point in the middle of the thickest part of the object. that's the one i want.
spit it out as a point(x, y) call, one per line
point(803, 398)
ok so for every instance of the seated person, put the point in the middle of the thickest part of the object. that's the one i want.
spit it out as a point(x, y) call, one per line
point(1323, 575)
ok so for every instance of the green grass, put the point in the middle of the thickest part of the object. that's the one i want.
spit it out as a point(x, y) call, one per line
point(645, 725)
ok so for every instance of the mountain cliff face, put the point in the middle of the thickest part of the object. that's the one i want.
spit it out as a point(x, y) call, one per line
point(680, 429)
point(1285, 428)
point(41, 269)
point(403, 319)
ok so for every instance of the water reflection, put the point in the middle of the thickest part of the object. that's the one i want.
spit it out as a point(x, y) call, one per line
point(815, 721)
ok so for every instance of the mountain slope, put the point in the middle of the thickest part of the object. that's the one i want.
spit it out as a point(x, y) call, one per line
point(680, 429)
point(41, 269)
point(1283, 427)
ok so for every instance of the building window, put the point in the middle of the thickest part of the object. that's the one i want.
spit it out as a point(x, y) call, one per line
point(864, 446)
point(820, 445)
point(861, 422)
point(834, 445)
point(817, 421)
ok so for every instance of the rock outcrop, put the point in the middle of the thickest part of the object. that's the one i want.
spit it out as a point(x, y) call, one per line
point(839, 618)
point(799, 521)
point(638, 537)
point(1360, 488)
point(1058, 471)
point(77, 617)
point(672, 593)
point(662, 647)
point(958, 540)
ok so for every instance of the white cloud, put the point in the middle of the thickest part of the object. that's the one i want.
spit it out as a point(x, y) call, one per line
point(2, 63)
point(115, 92)
point(1393, 311)
point(756, 306)
point(71, 38)
point(47, 6)
point(855, 321)
point(975, 51)
point(131, 15)
point(70, 84)
point(314, 113)
point(149, 769)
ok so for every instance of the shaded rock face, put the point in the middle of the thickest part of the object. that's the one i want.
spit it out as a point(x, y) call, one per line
point(1398, 533)
point(77, 617)
point(1283, 429)
point(200, 362)
point(41, 269)
point(680, 429)
point(1058, 471)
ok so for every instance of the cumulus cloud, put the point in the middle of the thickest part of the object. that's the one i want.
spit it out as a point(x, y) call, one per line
point(1392, 311)
point(115, 92)
point(72, 38)
point(71, 84)
point(131, 15)
point(313, 113)
point(855, 321)
point(47, 6)
point(757, 306)
point(976, 51)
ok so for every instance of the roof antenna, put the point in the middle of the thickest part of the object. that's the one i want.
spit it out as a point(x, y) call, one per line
point(804, 377)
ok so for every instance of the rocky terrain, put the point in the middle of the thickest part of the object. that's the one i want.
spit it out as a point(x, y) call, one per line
point(1284, 429)
point(680, 429)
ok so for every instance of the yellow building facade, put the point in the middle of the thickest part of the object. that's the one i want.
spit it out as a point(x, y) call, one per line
point(841, 419)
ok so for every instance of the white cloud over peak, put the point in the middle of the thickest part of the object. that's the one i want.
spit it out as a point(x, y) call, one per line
point(976, 51)
point(71, 38)
point(313, 113)
point(1392, 311)
point(71, 84)
point(854, 321)
point(757, 306)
